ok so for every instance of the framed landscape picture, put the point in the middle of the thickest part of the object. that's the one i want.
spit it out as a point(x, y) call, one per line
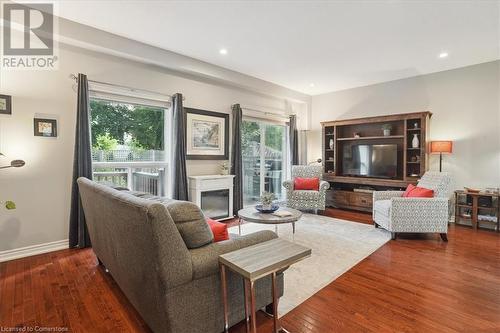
point(207, 135)
point(5, 104)
point(45, 127)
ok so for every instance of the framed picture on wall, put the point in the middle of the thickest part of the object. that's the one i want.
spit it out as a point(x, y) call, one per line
point(45, 127)
point(207, 135)
point(5, 104)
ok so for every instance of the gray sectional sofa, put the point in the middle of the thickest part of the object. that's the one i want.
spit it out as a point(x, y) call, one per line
point(161, 254)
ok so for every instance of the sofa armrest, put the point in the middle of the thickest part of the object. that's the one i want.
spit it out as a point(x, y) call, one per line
point(419, 214)
point(324, 185)
point(386, 195)
point(206, 259)
point(288, 184)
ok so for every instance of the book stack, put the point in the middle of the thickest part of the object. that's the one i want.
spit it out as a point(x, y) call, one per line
point(282, 213)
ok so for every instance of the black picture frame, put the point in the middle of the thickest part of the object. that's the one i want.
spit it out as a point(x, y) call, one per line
point(225, 117)
point(8, 104)
point(53, 127)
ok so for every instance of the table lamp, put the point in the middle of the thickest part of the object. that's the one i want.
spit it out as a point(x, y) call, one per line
point(441, 147)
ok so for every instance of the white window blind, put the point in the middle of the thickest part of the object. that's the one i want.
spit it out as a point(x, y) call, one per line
point(116, 93)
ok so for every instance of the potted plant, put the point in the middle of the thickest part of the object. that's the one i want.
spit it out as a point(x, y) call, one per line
point(9, 205)
point(266, 200)
point(224, 168)
point(387, 129)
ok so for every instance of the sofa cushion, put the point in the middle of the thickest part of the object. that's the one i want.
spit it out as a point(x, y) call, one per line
point(383, 207)
point(190, 222)
point(409, 188)
point(305, 195)
point(420, 192)
point(219, 230)
point(300, 183)
point(187, 217)
point(413, 191)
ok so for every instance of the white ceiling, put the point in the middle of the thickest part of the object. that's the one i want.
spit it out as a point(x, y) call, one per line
point(335, 45)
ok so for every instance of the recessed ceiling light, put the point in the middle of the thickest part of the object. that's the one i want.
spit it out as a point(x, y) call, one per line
point(311, 85)
point(223, 51)
point(443, 55)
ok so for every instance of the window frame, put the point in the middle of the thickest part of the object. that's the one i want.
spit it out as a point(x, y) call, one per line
point(165, 106)
point(286, 164)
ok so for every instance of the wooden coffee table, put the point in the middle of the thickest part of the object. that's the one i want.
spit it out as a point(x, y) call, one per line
point(250, 214)
point(255, 262)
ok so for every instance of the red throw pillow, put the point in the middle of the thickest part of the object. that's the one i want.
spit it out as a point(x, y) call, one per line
point(419, 192)
point(218, 229)
point(311, 184)
point(410, 188)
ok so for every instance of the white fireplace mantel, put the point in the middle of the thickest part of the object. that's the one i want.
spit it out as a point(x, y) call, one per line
point(207, 183)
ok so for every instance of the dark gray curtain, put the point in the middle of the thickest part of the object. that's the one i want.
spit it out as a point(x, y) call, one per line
point(180, 186)
point(294, 140)
point(82, 166)
point(236, 163)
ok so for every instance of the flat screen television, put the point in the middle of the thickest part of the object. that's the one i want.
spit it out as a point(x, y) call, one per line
point(370, 160)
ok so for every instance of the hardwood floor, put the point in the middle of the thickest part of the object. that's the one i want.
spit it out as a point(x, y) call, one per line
point(413, 284)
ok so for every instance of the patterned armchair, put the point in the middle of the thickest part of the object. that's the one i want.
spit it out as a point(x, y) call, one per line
point(304, 200)
point(416, 215)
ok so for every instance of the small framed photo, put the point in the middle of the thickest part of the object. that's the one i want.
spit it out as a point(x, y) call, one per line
point(45, 127)
point(5, 104)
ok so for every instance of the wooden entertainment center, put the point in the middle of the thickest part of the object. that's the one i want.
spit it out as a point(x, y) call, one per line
point(352, 189)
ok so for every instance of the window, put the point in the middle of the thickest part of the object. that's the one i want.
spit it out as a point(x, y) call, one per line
point(128, 145)
point(264, 150)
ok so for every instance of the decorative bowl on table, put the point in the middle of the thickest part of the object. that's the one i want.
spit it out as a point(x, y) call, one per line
point(472, 190)
point(266, 210)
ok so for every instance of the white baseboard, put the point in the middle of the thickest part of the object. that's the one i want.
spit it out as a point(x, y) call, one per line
point(33, 250)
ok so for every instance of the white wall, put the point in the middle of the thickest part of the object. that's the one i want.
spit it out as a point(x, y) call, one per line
point(42, 188)
point(465, 107)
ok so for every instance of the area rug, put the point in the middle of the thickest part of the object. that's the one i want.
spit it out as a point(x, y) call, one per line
point(337, 246)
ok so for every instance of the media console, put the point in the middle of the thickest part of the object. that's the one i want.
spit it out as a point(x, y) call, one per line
point(341, 142)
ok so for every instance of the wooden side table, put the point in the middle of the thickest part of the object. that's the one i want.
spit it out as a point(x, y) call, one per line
point(471, 207)
point(255, 262)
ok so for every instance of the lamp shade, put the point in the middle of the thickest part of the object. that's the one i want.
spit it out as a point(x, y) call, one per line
point(442, 147)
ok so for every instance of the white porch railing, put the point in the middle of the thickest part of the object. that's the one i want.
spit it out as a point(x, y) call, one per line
point(127, 155)
point(147, 177)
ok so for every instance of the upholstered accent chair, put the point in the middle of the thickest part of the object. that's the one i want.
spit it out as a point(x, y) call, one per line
point(306, 199)
point(415, 215)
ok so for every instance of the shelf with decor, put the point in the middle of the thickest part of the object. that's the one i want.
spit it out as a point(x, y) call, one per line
point(478, 209)
point(345, 143)
point(415, 147)
point(372, 138)
point(329, 149)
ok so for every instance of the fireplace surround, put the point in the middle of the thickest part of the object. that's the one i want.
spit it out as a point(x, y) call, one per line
point(213, 194)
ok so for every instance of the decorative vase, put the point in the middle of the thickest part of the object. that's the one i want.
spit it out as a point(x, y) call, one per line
point(331, 144)
point(387, 132)
point(415, 143)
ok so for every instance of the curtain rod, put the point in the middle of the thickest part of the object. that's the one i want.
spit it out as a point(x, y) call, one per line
point(266, 112)
point(75, 78)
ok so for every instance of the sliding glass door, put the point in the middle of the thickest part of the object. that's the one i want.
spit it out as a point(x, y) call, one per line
point(264, 149)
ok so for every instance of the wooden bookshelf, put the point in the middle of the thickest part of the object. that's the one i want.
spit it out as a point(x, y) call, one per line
point(470, 207)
